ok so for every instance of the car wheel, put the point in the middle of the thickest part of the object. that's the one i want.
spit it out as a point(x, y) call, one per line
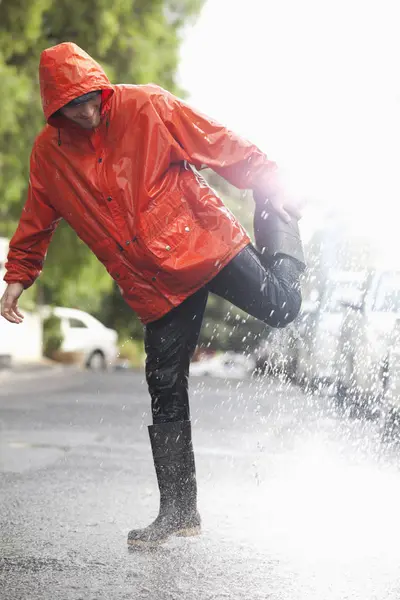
point(97, 361)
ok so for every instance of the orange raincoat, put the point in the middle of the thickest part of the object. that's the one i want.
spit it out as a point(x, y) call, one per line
point(130, 188)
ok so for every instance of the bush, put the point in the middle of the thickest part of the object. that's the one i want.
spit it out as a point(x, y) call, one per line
point(52, 335)
point(132, 351)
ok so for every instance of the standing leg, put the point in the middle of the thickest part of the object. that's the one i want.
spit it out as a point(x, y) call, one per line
point(170, 343)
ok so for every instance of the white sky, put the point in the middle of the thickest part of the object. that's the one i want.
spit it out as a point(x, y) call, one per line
point(315, 84)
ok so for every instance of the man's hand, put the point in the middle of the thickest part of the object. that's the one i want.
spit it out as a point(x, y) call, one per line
point(9, 303)
point(276, 196)
point(285, 207)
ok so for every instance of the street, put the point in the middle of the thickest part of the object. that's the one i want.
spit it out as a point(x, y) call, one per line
point(297, 501)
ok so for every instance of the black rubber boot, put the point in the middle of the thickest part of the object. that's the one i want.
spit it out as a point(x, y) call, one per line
point(175, 469)
point(276, 238)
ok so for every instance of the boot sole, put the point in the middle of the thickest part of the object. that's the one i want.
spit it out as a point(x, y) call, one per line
point(183, 533)
point(188, 532)
point(143, 544)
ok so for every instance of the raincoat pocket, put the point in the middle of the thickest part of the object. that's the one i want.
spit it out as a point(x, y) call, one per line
point(178, 231)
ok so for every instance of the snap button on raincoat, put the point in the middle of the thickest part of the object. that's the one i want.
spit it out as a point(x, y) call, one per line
point(130, 188)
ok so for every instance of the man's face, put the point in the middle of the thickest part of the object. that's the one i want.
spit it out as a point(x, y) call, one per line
point(86, 114)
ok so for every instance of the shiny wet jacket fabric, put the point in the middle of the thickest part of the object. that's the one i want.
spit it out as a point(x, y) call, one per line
point(131, 188)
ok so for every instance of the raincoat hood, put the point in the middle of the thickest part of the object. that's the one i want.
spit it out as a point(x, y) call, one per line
point(66, 72)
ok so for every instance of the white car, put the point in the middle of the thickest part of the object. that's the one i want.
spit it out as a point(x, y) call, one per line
point(229, 365)
point(368, 339)
point(84, 333)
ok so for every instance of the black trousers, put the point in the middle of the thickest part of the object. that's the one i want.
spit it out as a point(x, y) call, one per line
point(269, 293)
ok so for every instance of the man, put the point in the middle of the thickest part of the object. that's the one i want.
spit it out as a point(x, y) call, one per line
point(119, 164)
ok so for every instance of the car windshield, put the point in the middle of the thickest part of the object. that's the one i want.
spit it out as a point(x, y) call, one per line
point(388, 293)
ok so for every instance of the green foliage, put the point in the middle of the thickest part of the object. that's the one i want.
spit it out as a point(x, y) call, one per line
point(27, 301)
point(52, 335)
point(132, 351)
point(114, 312)
point(78, 280)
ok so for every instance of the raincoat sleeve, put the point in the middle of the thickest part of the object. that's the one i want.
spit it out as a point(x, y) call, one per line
point(28, 246)
point(209, 143)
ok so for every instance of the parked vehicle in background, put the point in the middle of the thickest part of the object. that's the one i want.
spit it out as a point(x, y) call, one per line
point(84, 333)
point(318, 343)
point(306, 350)
point(229, 365)
point(369, 340)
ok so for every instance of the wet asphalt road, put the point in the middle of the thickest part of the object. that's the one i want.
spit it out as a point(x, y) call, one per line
point(298, 503)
